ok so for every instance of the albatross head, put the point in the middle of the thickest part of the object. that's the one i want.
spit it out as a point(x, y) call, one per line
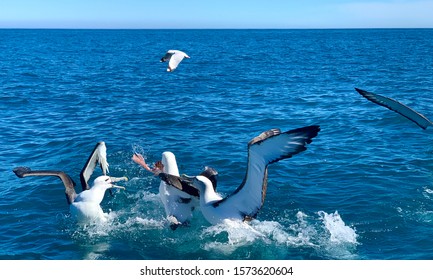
point(205, 188)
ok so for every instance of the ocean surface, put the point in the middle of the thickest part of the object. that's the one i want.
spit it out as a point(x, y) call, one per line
point(363, 190)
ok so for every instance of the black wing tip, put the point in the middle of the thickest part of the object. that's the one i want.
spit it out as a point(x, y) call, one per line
point(360, 90)
point(21, 171)
point(311, 131)
point(367, 94)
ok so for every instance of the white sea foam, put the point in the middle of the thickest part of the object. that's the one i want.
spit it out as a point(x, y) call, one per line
point(327, 234)
point(427, 192)
point(148, 222)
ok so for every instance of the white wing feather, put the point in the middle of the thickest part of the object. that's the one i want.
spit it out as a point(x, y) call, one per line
point(98, 155)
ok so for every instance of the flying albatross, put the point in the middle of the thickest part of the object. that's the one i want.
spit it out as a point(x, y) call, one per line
point(174, 57)
point(178, 196)
point(245, 202)
point(398, 107)
point(84, 206)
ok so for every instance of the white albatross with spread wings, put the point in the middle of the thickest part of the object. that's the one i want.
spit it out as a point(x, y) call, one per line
point(245, 202)
point(397, 107)
point(84, 206)
point(174, 57)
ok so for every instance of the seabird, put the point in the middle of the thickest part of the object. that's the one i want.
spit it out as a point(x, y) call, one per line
point(245, 202)
point(398, 107)
point(84, 206)
point(178, 195)
point(174, 57)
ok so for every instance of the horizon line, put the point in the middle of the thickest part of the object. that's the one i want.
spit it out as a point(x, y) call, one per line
point(208, 28)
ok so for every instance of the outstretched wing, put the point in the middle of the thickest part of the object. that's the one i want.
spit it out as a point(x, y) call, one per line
point(22, 172)
point(98, 156)
point(398, 107)
point(269, 147)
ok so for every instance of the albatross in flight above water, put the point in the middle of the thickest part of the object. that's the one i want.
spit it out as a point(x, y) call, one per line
point(398, 107)
point(245, 202)
point(178, 196)
point(84, 206)
point(174, 57)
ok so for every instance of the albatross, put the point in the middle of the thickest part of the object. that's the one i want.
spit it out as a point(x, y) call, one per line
point(84, 206)
point(245, 202)
point(174, 57)
point(177, 195)
point(397, 107)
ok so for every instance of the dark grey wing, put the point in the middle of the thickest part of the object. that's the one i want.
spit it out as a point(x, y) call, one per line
point(184, 182)
point(167, 56)
point(22, 172)
point(98, 156)
point(398, 107)
point(181, 183)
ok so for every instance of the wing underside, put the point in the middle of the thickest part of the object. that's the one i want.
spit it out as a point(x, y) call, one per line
point(69, 184)
point(269, 147)
point(397, 107)
point(175, 60)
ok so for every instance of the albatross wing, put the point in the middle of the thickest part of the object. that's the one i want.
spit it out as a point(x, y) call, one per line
point(98, 156)
point(69, 184)
point(398, 107)
point(269, 147)
point(184, 182)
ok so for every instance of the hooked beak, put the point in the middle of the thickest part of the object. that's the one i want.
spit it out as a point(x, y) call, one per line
point(117, 187)
point(115, 180)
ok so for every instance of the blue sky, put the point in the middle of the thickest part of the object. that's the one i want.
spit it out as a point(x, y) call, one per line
point(216, 14)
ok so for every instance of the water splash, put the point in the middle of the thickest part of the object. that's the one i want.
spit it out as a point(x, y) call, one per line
point(327, 236)
point(339, 240)
point(339, 232)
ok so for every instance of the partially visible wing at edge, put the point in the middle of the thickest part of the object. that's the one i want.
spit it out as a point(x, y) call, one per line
point(398, 107)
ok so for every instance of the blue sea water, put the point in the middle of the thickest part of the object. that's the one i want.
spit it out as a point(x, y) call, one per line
point(362, 190)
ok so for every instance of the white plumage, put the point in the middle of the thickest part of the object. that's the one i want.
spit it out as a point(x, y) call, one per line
point(86, 206)
point(178, 205)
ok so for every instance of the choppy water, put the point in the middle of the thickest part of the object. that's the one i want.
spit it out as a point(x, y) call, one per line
point(362, 190)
